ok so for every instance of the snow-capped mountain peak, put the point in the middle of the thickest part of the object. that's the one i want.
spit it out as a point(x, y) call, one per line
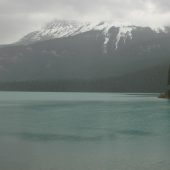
point(61, 29)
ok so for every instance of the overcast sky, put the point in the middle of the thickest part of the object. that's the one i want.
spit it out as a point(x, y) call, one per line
point(18, 17)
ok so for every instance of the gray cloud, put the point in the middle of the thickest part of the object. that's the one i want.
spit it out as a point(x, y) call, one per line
point(162, 5)
point(17, 17)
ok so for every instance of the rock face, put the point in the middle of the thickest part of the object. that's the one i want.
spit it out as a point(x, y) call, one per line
point(166, 95)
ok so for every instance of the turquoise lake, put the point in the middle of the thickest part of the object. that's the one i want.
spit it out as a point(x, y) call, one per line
point(84, 131)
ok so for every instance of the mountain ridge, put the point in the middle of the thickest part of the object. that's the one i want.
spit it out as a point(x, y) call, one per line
point(63, 28)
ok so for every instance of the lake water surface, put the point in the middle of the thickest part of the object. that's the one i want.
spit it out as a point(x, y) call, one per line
point(84, 131)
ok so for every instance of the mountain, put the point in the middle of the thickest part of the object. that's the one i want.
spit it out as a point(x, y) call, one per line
point(72, 56)
point(61, 29)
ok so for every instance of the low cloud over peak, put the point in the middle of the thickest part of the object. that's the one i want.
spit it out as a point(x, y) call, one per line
point(17, 17)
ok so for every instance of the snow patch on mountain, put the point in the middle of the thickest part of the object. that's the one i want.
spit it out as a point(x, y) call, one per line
point(159, 30)
point(60, 29)
point(124, 32)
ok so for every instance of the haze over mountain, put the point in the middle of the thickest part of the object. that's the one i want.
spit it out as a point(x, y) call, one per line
point(74, 56)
